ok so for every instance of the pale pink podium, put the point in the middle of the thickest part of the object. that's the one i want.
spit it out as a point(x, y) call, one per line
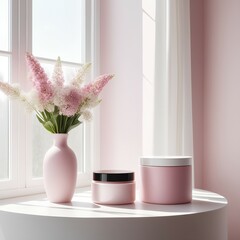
point(205, 218)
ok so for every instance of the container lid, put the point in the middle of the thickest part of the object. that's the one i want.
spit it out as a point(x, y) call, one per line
point(167, 161)
point(113, 176)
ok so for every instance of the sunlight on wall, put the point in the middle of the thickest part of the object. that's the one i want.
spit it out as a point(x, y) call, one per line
point(155, 87)
point(167, 99)
point(148, 18)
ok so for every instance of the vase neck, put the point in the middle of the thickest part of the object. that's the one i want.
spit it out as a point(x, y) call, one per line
point(60, 140)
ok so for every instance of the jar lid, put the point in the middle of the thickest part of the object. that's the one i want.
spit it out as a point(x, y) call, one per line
point(113, 176)
point(167, 161)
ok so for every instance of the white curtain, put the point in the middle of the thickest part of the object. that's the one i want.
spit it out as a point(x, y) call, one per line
point(167, 98)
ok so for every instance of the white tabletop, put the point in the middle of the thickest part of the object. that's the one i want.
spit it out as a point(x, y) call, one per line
point(34, 217)
point(82, 207)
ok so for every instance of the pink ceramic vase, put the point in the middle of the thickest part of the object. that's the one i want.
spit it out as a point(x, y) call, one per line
point(60, 170)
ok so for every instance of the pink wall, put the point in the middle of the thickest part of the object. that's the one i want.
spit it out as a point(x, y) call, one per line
point(215, 44)
point(221, 104)
point(216, 98)
point(121, 108)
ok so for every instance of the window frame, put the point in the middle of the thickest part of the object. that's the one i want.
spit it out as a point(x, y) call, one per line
point(20, 180)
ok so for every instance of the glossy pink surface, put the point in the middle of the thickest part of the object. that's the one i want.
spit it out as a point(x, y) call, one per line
point(60, 170)
point(113, 193)
point(166, 185)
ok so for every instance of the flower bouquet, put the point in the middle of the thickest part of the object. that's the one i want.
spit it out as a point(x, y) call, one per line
point(59, 106)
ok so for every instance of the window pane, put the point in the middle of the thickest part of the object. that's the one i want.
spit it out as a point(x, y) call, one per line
point(4, 121)
point(57, 29)
point(75, 140)
point(41, 142)
point(4, 25)
point(42, 139)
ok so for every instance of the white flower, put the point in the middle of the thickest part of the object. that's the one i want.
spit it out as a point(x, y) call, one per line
point(80, 76)
point(33, 98)
point(86, 115)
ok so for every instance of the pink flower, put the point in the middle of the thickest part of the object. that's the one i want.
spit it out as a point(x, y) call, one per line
point(40, 80)
point(93, 89)
point(69, 101)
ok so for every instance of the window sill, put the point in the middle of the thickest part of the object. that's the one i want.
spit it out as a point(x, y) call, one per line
point(36, 187)
point(35, 218)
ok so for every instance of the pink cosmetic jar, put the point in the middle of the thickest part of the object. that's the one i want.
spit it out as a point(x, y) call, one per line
point(113, 187)
point(166, 180)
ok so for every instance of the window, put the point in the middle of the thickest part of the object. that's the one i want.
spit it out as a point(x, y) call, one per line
point(6, 108)
point(64, 28)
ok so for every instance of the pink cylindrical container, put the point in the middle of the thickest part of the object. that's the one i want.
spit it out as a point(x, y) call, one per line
point(166, 180)
point(113, 187)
